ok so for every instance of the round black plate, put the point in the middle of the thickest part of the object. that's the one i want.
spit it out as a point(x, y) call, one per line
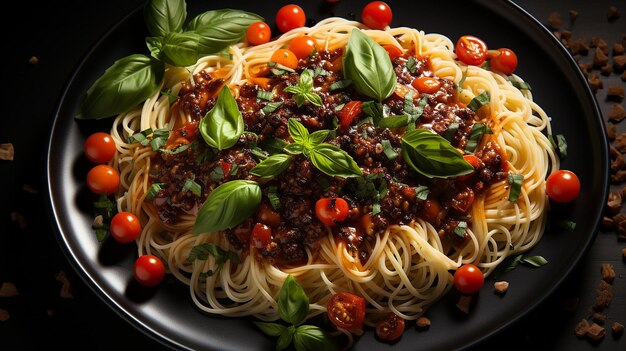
point(167, 312)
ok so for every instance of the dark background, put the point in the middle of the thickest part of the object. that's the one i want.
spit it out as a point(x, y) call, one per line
point(59, 34)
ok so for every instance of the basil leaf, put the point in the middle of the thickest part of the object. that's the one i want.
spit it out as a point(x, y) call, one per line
point(318, 137)
point(154, 190)
point(432, 156)
point(334, 162)
point(374, 110)
point(272, 195)
point(478, 130)
point(567, 225)
point(340, 84)
point(513, 263)
point(449, 134)
point(298, 131)
point(264, 95)
point(155, 45)
point(534, 261)
point(271, 107)
point(369, 67)
point(394, 121)
point(518, 83)
point(272, 166)
point(515, 180)
point(203, 251)
point(270, 329)
point(559, 144)
point(293, 303)
point(312, 338)
point(411, 64)
point(273, 145)
point(295, 149)
point(164, 16)
point(460, 229)
point(302, 91)
point(191, 185)
point(223, 125)
point(388, 149)
point(124, 85)
point(182, 49)
point(479, 101)
point(421, 192)
point(227, 206)
point(285, 338)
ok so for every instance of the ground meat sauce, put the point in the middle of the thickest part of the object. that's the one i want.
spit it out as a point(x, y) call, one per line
point(295, 227)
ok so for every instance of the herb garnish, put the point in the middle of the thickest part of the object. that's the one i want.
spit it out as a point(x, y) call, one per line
point(479, 101)
point(223, 124)
point(303, 91)
point(432, 156)
point(559, 144)
point(515, 180)
point(203, 251)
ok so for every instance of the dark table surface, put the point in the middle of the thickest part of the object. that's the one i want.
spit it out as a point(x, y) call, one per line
point(42, 313)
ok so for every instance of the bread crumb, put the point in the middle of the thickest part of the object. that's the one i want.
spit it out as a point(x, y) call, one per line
point(612, 14)
point(8, 289)
point(464, 303)
point(33, 60)
point(423, 322)
point(4, 315)
point(607, 273)
point(501, 287)
point(596, 332)
point(617, 329)
point(7, 152)
point(581, 328)
point(66, 288)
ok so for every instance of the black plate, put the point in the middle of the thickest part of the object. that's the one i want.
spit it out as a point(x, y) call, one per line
point(167, 312)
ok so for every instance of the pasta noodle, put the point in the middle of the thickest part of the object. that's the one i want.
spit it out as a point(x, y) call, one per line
point(409, 265)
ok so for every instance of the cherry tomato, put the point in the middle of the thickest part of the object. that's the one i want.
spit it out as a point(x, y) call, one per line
point(376, 15)
point(468, 279)
point(99, 147)
point(393, 51)
point(285, 57)
point(266, 215)
point(426, 85)
point(261, 235)
point(505, 61)
point(562, 186)
point(331, 211)
point(346, 310)
point(226, 168)
point(258, 33)
point(149, 270)
point(103, 179)
point(125, 227)
point(290, 17)
point(303, 46)
point(471, 50)
point(390, 327)
point(348, 112)
point(472, 160)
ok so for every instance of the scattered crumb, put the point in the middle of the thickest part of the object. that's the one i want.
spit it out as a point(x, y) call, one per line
point(464, 303)
point(7, 152)
point(4, 315)
point(66, 288)
point(423, 322)
point(29, 189)
point(607, 273)
point(618, 48)
point(501, 287)
point(612, 14)
point(596, 332)
point(599, 317)
point(595, 82)
point(600, 59)
point(573, 14)
point(554, 20)
point(611, 131)
point(8, 289)
point(33, 60)
point(98, 222)
point(615, 93)
point(619, 63)
point(617, 113)
point(617, 329)
point(581, 328)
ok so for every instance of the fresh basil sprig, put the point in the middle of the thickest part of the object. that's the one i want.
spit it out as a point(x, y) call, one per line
point(272, 166)
point(164, 16)
point(515, 181)
point(227, 206)
point(303, 91)
point(293, 307)
point(432, 156)
point(203, 251)
point(223, 124)
point(369, 67)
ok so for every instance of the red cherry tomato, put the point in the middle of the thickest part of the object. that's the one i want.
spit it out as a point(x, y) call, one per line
point(261, 235)
point(426, 85)
point(346, 310)
point(393, 51)
point(562, 186)
point(303, 46)
point(390, 328)
point(471, 50)
point(285, 57)
point(472, 160)
point(258, 33)
point(266, 215)
point(125, 227)
point(376, 15)
point(290, 17)
point(331, 211)
point(149, 270)
point(99, 147)
point(103, 179)
point(348, 112)
point(505, 61)
point(468, 279)
point(226, 168)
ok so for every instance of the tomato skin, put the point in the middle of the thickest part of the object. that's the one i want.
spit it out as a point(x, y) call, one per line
point(103, 179)
point(258, 33)
point(390, 328)
point(266, 215)
point(471, 50)
point(303, 46)
point(504, 62)
point(426, 85)
point(393, 51)
point(346, 115)
point(285, 57)
point(472, 160)
point(331, 211)
point(290, 17)
point(346, 310)
point(149, 270)
point(376, 15)
point(468, 279)
point(563, 186)
point(99, 147)
point(125, 227)
point(261, 235)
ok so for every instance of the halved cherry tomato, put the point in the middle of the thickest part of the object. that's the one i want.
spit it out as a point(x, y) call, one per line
point(99, 147)
point(471, 50)
point(472, 160)
point(346, 310)
point(303, 46)
point(261, 235)
point(393, 51)
point(226, 168)
point(331, 211)
point(503, 61)
point(258, 33)
point(285, 57)
point(348, 112)
point(563, 186)
point(103, 179)
point(290, 17)
point(376, 15)
point(468, 279)
point(390, 328)
point(125, 227)
point(148, 270)
point(426, 85)
point(266, 215)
